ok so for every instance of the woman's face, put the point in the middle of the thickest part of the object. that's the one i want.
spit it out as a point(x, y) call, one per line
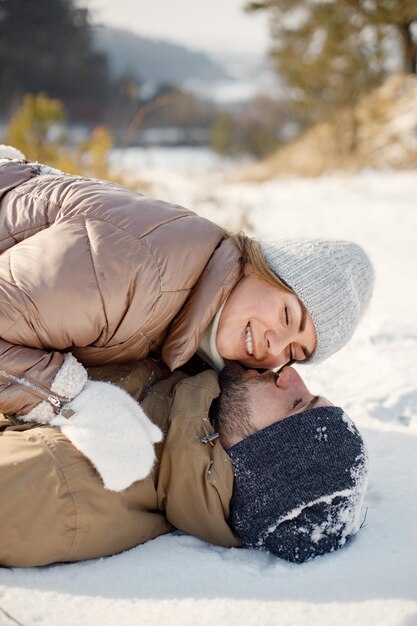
point(264, 326)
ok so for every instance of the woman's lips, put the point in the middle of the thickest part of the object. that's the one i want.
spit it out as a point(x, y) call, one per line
point(249, 340)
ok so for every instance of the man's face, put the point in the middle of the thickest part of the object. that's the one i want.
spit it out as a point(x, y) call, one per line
point(250, 401)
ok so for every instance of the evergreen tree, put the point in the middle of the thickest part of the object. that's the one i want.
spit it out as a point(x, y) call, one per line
point(397, 18)
point(45, 46)
point(330, 51)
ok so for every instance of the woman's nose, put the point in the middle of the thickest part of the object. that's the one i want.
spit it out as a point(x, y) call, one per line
point(276, 347)
point(275, 343)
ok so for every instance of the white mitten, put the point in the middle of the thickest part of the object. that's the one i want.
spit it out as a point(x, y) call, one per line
point(110, 428)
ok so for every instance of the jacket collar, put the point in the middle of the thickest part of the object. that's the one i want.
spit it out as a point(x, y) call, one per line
point(216, 282)
point(195, 481)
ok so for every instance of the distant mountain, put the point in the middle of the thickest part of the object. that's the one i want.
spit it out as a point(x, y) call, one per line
point(151, 60)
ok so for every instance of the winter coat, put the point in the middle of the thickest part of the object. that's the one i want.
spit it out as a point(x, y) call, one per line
point(57, 508)
point(103, 272)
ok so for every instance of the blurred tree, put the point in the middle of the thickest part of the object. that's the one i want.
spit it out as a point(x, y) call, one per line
point(46, 46)
point(258, 140)
point(172, 107)
point(399, 17)
point(222, 134)
point(37, 129)
point(183, 108)
point(253, 130)
point(265, 124)
point(94, 153)
point(331, 51)
point(30, 128)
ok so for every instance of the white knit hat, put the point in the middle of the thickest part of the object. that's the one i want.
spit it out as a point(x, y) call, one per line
point(334, 281)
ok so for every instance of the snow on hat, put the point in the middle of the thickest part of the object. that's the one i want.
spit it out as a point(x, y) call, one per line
point(333, 279)
point(299, 484)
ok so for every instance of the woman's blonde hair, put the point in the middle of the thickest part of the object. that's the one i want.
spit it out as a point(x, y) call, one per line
point(251, 251)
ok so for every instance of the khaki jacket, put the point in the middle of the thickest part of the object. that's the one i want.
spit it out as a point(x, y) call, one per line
point(101, 271)
point(54, 507)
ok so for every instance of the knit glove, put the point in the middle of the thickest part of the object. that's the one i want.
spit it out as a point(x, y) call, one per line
point(112, 431)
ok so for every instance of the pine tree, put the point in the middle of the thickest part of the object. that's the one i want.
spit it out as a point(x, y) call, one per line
point(45, 47)
point(330, 51)
point(398, 18)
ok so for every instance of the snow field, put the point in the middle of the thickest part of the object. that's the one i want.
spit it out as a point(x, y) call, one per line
point(180, 580)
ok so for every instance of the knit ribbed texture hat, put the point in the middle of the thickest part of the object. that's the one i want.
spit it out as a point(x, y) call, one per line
point(334, 281)
point(299, 484)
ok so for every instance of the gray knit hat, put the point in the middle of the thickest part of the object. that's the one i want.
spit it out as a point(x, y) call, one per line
point(299, 484)
point(334, 281)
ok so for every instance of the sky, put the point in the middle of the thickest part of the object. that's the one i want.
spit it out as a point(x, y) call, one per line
point(213, 26)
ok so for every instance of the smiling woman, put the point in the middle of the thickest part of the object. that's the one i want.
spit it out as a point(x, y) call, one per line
point(297, 300)
point(101, 274)
point(264, 326)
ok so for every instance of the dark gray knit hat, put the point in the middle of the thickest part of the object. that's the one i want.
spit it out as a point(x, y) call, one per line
point(333, 279)
point(299, 484)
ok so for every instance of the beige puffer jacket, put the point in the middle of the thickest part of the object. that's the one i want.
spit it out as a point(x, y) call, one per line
point(57, 508)
point(99, 271)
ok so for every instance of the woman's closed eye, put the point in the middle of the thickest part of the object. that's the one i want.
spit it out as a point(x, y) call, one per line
point(287, 316)
point(291, 355)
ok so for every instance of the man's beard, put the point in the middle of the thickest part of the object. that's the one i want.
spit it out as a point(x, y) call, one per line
point(231, 411)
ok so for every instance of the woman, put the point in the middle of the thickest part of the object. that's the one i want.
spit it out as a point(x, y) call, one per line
point(92, 273)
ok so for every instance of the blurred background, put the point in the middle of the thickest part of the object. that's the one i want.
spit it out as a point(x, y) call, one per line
point(280, 87)
point(284, 118)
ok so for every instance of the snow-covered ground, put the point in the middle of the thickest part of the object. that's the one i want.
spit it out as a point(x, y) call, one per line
point(179, 580)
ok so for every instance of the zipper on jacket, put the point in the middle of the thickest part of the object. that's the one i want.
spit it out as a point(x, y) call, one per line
point(210, 438)
point(42, 392)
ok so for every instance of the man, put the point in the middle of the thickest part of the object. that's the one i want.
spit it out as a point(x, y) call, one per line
point(299, 463)
point(285, 472)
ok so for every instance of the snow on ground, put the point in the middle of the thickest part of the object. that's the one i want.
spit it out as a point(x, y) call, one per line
point(179, 580)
